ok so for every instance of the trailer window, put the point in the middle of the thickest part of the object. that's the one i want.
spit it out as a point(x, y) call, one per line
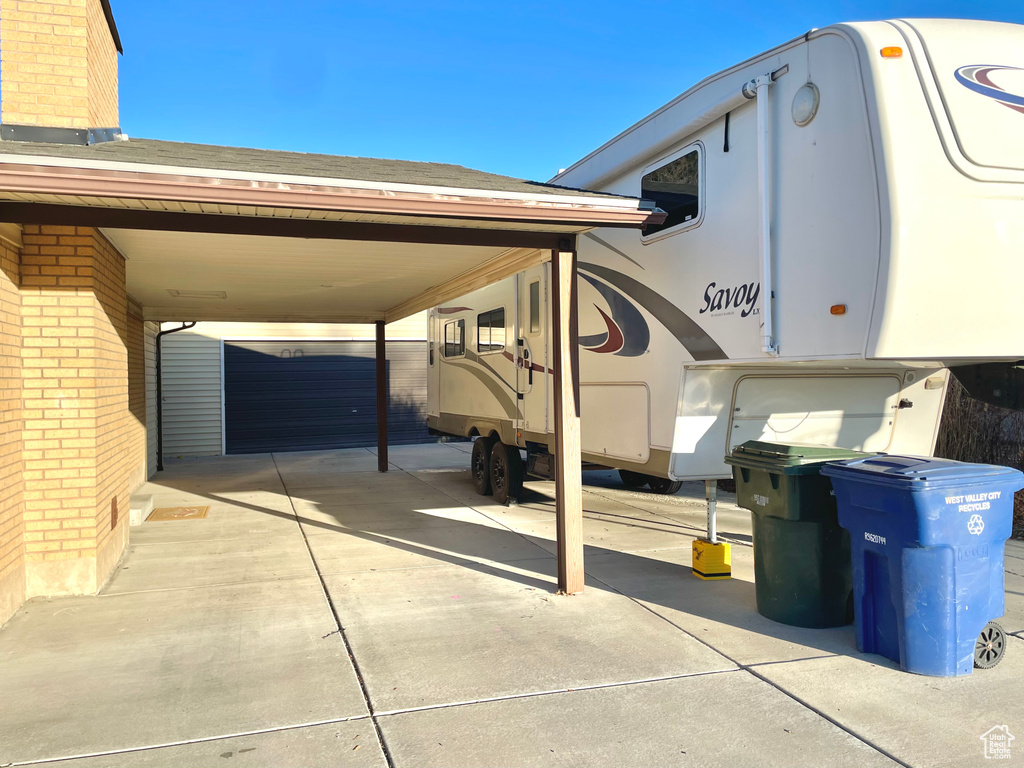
point(535, 306)
point(675, 187)
point(455, 339)
point(490, 331)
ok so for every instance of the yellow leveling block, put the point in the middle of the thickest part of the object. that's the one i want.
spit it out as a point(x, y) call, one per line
point(712, 562)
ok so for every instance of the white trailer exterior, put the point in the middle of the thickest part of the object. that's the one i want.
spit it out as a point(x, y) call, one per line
point(844, 224)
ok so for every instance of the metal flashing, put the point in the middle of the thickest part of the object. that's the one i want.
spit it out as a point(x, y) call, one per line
point(41, 134)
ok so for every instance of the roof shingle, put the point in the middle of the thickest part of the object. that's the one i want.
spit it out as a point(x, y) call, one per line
point(239, 159)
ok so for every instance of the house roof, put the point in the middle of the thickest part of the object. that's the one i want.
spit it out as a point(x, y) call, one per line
point(208, 157)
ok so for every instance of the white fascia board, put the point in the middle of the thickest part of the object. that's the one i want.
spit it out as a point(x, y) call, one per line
point(318, 181)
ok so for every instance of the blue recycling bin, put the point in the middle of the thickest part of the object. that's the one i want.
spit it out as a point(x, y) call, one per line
point(927, 539)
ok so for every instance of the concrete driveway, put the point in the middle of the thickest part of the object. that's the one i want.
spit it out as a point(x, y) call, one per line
point(326, 614)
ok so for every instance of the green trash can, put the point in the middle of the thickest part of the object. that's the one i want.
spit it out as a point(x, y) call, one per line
point(802, 572)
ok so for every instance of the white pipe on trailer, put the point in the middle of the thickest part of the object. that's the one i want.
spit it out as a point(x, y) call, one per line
point(759, 88)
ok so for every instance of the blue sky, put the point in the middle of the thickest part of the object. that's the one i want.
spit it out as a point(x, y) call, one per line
point(516, 88)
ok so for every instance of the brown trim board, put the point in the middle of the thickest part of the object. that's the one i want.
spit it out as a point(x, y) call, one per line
point(119, 218)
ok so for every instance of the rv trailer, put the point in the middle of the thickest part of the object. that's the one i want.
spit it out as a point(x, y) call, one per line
point(845, 223)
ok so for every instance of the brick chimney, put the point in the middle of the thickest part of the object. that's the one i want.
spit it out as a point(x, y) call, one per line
point(58, 71)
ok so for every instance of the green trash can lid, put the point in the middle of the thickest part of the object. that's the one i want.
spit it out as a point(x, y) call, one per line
point(788, 458)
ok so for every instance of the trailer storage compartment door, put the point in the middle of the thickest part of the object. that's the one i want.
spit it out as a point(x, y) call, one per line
point(857, 411)
point(615, 421)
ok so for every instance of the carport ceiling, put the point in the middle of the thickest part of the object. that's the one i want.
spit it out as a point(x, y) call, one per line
point(226, 277)
point(226, 233)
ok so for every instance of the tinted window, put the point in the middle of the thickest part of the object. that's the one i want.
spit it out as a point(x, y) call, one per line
point(675, 187)
point(535, 307)
point(490, 331)
point(455, 339)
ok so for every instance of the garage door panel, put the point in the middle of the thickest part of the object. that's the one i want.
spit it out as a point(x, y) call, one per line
point(316, 395)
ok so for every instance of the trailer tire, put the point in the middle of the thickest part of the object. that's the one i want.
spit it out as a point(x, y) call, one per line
point(664, 486)
point(506, 473)
point(480, 465)
point(633, 480)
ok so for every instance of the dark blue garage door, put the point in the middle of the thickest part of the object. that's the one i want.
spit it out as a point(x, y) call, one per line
point(318, 395)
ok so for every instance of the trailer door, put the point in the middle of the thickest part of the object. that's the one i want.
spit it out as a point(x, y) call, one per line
point(433, 366)
point(532, 349)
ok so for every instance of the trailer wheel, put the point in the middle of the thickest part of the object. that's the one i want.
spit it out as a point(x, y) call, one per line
point(664, 486)
point(506, 473)
point(480, 465)
point(990, 646)
point(632, 479)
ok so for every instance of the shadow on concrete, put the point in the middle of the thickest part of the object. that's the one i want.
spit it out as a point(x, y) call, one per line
point(668, 588)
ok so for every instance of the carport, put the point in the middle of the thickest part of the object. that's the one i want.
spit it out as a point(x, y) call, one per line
point(224, 234)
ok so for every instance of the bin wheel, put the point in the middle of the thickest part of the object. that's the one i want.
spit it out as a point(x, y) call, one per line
point(506, 473)
point(480, 465)
point(632, 480)
point(990, 646)
point(664, 486)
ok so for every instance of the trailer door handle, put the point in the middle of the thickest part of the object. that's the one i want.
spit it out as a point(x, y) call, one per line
point(529, 368)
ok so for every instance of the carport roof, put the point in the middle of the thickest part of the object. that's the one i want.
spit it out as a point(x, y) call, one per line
point(293, 237)
point(208, 157)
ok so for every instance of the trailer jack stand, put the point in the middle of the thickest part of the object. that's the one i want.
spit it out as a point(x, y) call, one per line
point(712, 559)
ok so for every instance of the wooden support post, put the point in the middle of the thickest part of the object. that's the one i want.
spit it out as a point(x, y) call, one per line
point(568, 461)
point(382, 400)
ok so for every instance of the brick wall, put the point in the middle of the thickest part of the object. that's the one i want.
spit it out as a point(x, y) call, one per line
point(12, 525)
point(58, 65)
point(77, 433)
point(137, 393)
point(150, 330)
point(102, 60)
point(114, 452)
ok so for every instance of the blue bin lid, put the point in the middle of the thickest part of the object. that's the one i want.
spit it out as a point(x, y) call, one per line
point(919, 472)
